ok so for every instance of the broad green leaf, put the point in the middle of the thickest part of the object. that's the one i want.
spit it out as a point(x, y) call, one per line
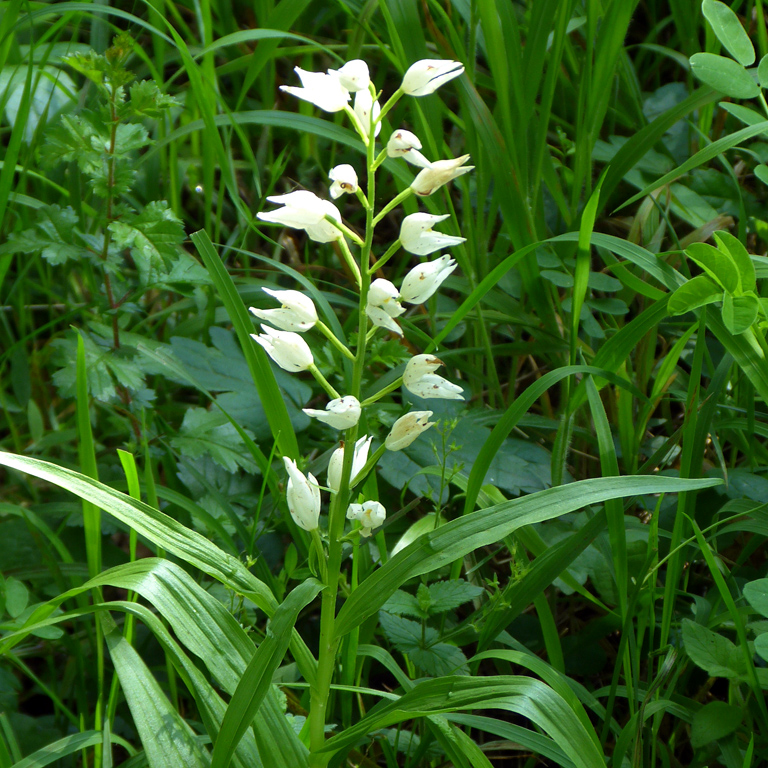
point(16, 597)
point(457, 538)
point(756, 594)
point(739, 312)
point(68, 745)
point(741, 258)
point(697, 292)
point(167, 739)
point(716, 264)
point(54, 236)
point(761, 645)
point(521, 695)
point(724, 75)
point(761, 171)
point(714, 721)
point(447, 595)
point(762, 71)
point(257, 678)
point(729, 31)
point(715, 654)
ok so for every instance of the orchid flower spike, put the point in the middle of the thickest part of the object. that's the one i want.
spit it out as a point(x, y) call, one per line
point(323, 90)
point(422, 281)
point(440, 172)
point(353, 76)
point(297, 312)
point(286, 348)
point(416, 235)
point(303, 209)
point(364, 103)
point(341, 413)
point(426, 76)
point(344, 180)
point(370, 515)
point(419, 379)
point(407, 428)
point(303, 496)
point(405, 144)
point(336, 463)
point(383, 305)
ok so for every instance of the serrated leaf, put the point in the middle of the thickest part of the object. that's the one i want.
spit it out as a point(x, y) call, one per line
point(697, 292)
point(714, 721)
point(91, 64)
point(756, 594)
point(406, 635)
point(739, 312)
point(447, 595)
point(73, 140)
point(741, 258)
point(718, 265)
point(54, 236)
point(724, 75)
point(402, 603)
point(209, 433)
point(149, 101)
point(440, 659)
point(715, 654)
point(729, 31)
point(129, 137)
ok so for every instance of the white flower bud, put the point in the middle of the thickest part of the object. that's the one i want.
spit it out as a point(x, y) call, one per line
point(426, 76)
point(364, 103)
point(303, 496)
point(297, 313)
point(419, 379)
point(370, 515)
point(405, 144)
point(407, 428)
point(383, 305)
point(341, 413)
point(336, 463)
point(323, 90)
point(440, 172)
point(354, 75)
point(344, 180)
point(286, 348)
point(416, 235)
point(423, 281)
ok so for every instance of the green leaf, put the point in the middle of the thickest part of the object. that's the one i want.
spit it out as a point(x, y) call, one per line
point(54, 235)
point(724, 75)
point(147, 100)
point(16, 597)
point(715, 654)
point(447, 595)
point(756, 594)
point(257, 679)
point(729, 31)
point(761, 646)
point(714, 721)
point(741, 258)
point(761, 171)
point(402, 603)
point(697, 292)
point(716, 264)
point(457, 538)
point(740, 312)
point(66, 746)
point(762, 71)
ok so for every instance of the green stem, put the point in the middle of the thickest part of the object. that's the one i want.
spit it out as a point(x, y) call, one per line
point(391, 251)
point(393, 99)
point(350, 259)
point(323, 382)
point(331, 336)
point(345, 229)
point(394, 202)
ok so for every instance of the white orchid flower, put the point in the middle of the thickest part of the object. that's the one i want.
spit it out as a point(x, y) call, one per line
point(287, 349)
point(405, 144)
point(354, 75)
point(383, 304)
point(422, 281)
point(382, 320)
point(297, 312)
point(323, 90)
point(440, 172)
point(417, 237)
point(336, 463)
point(426, 76)
point(344, 180)
point(303, 496)
point(341, 413)
point(364, 103)
point(303, 209)
point(370, 515)
point(419, 379)
point(407, 428)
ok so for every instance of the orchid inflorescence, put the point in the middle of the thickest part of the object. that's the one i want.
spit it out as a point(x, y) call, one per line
point(381, 302)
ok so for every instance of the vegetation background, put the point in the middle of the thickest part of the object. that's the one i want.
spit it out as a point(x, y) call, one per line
point(635, 624)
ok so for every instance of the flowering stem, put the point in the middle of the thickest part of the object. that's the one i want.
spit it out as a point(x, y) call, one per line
point(380, 159)
point(391, 251)
point(395, 201)
point(393, 99)
point(345, 229)
point(323, 382)
point(389, 388)
point(331, 336)
point(352, 115)
point(350, 259)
